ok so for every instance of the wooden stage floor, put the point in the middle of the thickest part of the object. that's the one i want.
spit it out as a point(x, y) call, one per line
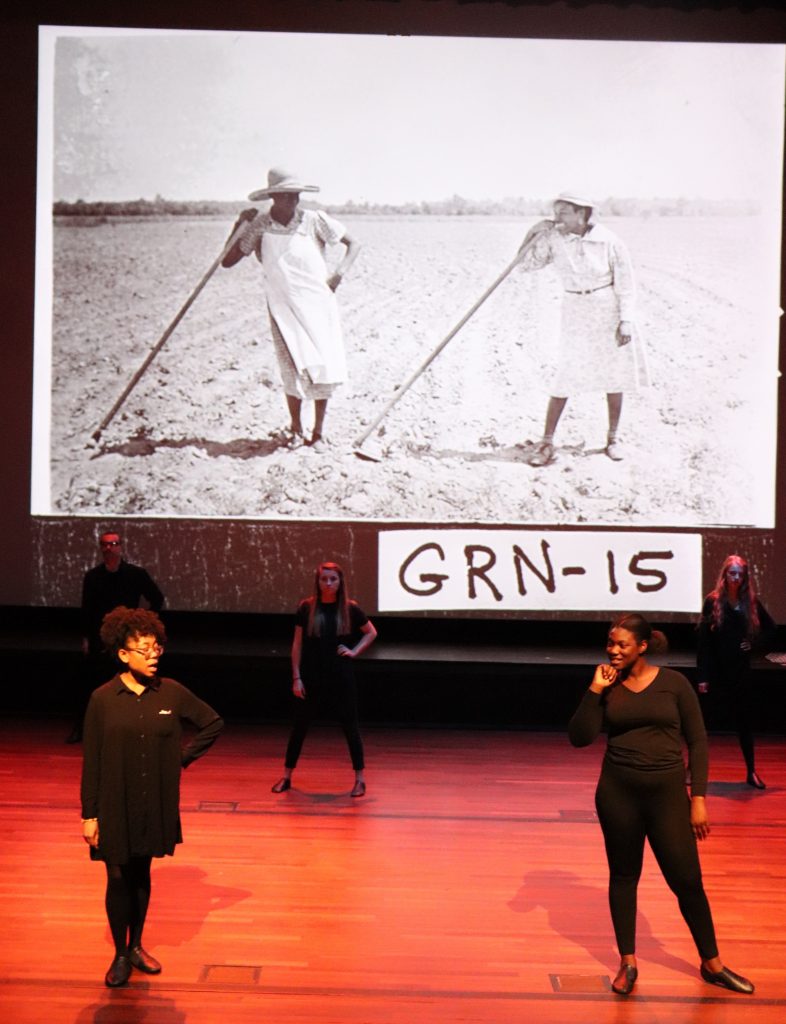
point(468, 886)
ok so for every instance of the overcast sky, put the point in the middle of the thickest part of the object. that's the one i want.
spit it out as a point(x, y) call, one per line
point(130, 113)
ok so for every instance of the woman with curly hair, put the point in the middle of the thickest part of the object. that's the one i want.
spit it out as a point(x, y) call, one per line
point(133, 756)
point(733, 622)
point(647, 713)
point(330, 632)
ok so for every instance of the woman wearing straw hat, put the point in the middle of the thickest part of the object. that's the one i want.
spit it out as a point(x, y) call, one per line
point(289, 242)
point(600, 350)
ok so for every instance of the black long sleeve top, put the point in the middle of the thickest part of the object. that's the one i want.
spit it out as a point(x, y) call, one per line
point(646, 730)
point(133, 756)
point(719, 657)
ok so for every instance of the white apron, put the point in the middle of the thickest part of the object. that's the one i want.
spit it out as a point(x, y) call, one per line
point(303, 306)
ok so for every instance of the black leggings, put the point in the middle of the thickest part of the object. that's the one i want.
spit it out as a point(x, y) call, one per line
point(731, 706)
point(637, 805)
point(127, 899)
point(342, 696)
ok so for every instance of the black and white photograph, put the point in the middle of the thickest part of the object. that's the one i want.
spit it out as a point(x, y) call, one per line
point(294, 276)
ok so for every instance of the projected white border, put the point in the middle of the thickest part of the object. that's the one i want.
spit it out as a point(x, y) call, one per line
point(453, 125)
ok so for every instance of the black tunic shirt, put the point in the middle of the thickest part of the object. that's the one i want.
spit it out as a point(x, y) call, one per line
point(133, 756)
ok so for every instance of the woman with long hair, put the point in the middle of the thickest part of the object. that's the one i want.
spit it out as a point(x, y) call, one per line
point(133, 756)
point(648, 712)
point(733, 623)
point(330, 632)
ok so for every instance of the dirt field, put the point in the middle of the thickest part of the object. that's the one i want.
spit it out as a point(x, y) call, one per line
point(196, 438)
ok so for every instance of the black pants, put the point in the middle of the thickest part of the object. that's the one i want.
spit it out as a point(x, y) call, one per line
point(637, 805)
point(338, 696)
point(731, 707)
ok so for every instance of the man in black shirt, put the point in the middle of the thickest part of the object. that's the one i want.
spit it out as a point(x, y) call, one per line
point(113, 583)
point(106, 586)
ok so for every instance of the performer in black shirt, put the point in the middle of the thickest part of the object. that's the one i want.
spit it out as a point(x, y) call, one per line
point(647, 711)
point(113, 583)
point(133, 756)
point(330, 632)
point(733, 623)
point(109, 585)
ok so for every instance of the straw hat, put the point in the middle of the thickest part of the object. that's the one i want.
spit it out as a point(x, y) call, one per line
point(279, 180)
point(575, 198)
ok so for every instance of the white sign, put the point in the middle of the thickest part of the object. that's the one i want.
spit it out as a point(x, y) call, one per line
point(539, 570)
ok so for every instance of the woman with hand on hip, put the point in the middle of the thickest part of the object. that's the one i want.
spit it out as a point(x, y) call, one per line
point(733, 622)
point(133, 757)
point(330, 632)
point(647, 712)
point(289, 241)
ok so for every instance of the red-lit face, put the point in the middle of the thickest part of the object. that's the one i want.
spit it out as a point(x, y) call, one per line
point(141, 655)
point(624, 649)
point(735, 573)
point(329, 582)
point(111, 548)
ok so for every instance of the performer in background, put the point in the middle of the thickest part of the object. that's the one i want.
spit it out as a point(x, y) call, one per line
point(599, 346)
point(113, 583)
point(330, 632)
point(289, 242)
point(733, 623)
point(133, 757)
point(647, 712)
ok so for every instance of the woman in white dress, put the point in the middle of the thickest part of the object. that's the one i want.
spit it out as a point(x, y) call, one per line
point(599, 347)
point(289, 242)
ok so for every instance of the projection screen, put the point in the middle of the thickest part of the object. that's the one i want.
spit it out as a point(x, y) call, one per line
point(437, 155)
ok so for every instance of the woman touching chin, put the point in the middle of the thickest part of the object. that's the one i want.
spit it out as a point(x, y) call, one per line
point(648, 712)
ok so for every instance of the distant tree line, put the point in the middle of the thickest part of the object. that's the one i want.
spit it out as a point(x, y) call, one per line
point(455, 206)
point(158, 207)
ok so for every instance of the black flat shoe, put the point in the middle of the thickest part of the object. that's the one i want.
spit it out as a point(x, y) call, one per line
point(119, 972)
point(359, 789)
point(143, 961)
point(281, 786)
point(755, 780)
point(727, 979)
point(625, 980)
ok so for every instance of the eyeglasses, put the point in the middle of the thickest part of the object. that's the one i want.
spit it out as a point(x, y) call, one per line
point(146, 652)
point(111, 543)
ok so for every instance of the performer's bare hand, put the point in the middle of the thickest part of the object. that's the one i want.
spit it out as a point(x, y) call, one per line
point(90, 833)
point(605, 676)
point(299, 689)
point(699, 821)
